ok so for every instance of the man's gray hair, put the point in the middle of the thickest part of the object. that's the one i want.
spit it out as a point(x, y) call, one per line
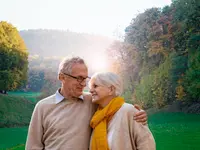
point(108, 79)
point(66, 64)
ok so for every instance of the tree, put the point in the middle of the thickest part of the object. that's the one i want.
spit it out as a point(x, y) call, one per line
point(13, 58)
point(192, 80)
point(165, 49)
point(125, 61)
point(50, 85)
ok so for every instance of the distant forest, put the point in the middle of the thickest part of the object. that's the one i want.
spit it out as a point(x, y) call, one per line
point(58, 43)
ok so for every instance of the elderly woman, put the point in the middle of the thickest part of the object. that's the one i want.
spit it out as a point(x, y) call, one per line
point(113, 126)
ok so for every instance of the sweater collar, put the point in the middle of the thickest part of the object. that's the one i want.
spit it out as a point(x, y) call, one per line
point(60, 98)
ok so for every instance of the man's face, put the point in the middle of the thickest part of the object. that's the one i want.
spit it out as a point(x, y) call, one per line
point(71, 85)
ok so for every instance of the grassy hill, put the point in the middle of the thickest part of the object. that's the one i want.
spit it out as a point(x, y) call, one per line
point(32, 96)
point(15, 111)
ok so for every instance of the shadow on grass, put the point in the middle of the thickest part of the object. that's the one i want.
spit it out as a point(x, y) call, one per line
point(18, 147)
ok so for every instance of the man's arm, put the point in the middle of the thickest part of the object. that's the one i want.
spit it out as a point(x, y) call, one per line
point(140, 116)
point(35, 132)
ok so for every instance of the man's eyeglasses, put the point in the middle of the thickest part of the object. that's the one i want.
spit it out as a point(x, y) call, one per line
point(79, 79)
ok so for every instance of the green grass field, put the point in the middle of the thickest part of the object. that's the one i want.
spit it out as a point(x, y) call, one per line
point(176, 131)
point(13, 137)
point(27, 95)
point(172, 131)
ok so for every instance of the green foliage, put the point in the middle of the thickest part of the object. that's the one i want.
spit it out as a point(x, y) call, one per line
point(155, 88)
point(13, 70)
point(192, 77)
point(40, 68)
point(143, 92)
point(13, 58)
point(10, 38)
point(50, 85)
point(165, 45)
point(35, 80)
point(141, 28)
point(180, 91)
point(187, 12)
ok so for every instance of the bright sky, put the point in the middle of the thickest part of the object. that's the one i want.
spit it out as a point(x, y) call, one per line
point(89, 16)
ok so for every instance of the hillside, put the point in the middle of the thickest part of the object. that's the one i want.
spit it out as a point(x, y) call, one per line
point(50, 43)
point(14, 111)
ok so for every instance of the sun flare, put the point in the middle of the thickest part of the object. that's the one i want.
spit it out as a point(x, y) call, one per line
point(99, 63)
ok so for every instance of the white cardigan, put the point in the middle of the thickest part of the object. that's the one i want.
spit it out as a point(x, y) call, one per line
point(124, 133)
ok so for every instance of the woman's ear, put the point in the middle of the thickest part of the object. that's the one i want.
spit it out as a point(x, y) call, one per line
point(112, 90)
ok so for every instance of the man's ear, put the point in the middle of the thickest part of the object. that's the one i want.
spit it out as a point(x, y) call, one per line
point(61, 77)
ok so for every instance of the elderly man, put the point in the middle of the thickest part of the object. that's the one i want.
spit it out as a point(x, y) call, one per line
point(61, 121)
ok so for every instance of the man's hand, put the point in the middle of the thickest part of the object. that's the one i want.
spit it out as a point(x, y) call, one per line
point(140, 116)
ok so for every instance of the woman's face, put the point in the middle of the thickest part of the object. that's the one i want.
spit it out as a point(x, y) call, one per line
point(100, 93)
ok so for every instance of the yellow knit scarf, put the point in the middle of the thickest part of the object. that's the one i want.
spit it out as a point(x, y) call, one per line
point(99, 123)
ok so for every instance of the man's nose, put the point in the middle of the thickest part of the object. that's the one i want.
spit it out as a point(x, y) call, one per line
point(83, 83)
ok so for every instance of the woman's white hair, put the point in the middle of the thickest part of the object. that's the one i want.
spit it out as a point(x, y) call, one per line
point(108, 79)
point(66, 64)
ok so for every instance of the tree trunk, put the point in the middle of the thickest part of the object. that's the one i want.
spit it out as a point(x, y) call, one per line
point(3, 92)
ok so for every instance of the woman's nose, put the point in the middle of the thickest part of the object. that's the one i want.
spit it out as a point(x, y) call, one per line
point(91, 90)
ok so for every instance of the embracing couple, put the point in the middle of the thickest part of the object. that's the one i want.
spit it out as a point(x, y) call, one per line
point(100, 120)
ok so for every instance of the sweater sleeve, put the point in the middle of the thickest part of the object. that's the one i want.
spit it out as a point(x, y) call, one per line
point(35, 132)
point(142, 136)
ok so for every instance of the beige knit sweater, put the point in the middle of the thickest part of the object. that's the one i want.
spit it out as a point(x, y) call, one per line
point(124, 133)
point(62, 126)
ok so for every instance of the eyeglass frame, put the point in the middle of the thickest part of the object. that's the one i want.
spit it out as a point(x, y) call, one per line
point(79, 79)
